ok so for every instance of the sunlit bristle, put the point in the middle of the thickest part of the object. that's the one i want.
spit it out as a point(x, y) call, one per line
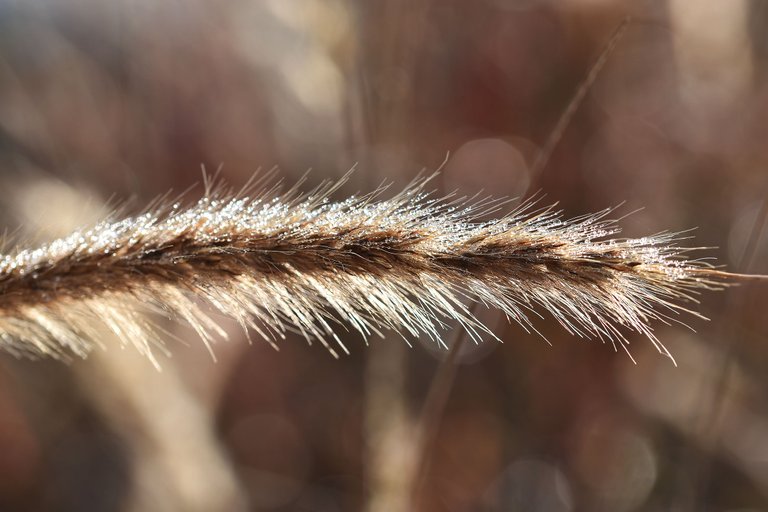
point(304, 262)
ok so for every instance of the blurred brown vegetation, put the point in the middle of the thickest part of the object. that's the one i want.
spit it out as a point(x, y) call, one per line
point(105, 101)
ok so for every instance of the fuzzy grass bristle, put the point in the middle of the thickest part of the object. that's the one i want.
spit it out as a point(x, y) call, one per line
point(278, 262)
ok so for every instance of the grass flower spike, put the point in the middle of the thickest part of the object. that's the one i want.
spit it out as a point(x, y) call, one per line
point(278, 262)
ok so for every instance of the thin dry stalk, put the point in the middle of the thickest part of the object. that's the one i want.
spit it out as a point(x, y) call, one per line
point(302, 262)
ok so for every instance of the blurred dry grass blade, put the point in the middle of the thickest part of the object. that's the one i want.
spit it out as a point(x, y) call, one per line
point(293, 261)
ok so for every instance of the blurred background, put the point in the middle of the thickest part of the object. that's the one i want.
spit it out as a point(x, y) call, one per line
point(107, 102)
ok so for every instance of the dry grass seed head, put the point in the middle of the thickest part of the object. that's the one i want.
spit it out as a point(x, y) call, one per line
point(302, 262)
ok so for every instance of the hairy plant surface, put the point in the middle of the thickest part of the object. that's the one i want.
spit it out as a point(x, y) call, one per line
point(278, 262)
